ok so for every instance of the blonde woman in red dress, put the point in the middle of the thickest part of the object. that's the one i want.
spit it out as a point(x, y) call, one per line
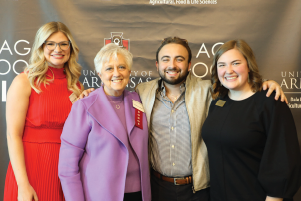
point(37, 106)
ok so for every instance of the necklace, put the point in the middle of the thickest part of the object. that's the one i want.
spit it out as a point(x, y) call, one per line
point(118, 100)
point(117, 104)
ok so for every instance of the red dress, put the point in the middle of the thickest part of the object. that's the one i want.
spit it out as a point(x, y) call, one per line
point(46, 115)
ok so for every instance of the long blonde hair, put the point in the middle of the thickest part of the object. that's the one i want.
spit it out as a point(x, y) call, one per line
point(38, 66)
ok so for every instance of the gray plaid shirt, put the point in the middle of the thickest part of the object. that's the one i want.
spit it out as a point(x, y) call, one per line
point(170, 135)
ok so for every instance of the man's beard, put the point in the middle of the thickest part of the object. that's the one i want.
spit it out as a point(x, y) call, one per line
point(180, 79)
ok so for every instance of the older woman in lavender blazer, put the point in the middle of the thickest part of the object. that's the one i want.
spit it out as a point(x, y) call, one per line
point(104, 152)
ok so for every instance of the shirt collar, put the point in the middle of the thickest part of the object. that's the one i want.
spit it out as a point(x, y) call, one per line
point(162, 89)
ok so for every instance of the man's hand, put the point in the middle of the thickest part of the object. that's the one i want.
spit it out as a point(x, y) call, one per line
point(85, 93)
point(274, 86)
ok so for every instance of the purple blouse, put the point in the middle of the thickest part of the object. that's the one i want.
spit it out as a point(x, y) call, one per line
point(133, 181)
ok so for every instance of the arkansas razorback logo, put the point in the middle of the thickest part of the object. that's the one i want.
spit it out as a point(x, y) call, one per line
point(117, 38)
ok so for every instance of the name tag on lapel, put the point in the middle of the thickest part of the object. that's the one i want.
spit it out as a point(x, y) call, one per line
point(220, 103)
point(138, 118)
point(138, 105)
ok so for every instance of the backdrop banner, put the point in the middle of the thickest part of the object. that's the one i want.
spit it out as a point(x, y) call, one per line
point(271, 28)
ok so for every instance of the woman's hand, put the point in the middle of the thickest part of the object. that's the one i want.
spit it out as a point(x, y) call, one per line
point(268, 198)
point(85, 93)
point(274, 86)
point(26, 193)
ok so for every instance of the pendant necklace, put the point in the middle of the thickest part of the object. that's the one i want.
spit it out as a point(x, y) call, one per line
point(117, 104)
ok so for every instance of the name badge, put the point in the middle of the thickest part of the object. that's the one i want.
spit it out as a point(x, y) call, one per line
point(138, 118)
point(220, 103)
point(138, 105)
point(72, 98)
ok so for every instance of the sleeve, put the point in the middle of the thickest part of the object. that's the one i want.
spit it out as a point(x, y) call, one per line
point(280, 167)
point(73, 141)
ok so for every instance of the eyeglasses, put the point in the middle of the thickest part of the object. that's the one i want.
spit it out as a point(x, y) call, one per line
point(171, 39)
point(50, 45)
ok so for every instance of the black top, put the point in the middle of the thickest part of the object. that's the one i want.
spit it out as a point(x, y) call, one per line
point(253, 149)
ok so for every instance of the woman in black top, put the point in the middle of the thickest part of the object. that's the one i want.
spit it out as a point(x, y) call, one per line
point(252, 142)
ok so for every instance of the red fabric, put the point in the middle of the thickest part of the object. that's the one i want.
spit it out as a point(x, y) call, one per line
point(47, 113)
point(138, 118)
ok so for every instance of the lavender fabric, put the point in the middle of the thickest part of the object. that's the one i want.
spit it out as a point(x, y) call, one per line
point(118, 100)
point(93, 157)
point(132, 181)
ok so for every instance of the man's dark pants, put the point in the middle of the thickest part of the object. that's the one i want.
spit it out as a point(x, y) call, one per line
point(167, 191)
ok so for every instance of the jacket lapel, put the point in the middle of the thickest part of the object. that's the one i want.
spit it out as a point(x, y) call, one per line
point(103, 112)
point(149, 101)
point(129, 112)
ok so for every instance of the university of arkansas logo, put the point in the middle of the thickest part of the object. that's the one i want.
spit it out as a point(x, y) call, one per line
point(117, 38)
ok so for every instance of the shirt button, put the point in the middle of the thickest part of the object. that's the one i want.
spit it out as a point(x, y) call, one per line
point(173, 146)
point(172, 128)
point(173, 164)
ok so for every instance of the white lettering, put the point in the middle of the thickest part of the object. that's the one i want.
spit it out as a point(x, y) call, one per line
point(92, 73)
point(152, 2)
point(200, 63)
point(211, 67)
point(86, 82)
point(295, 99)
point(140, 80)
point(212, 50)
point(294, 105)
point(2, 48)
point(293, 82)
point(85, 74)
point(17, 62)
point(9, 67)
point(144, 73)
point(283, 83)
point(95, 82)
point(135, 72)
point(132, 82)
point(15, 47)
point(205, 51)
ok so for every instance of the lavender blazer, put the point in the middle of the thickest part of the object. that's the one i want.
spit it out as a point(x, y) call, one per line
point(93, 159)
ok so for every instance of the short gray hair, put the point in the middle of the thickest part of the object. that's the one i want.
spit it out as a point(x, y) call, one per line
point(112, 50)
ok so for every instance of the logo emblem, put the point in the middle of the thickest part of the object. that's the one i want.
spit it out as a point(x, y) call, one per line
point(117, 38)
